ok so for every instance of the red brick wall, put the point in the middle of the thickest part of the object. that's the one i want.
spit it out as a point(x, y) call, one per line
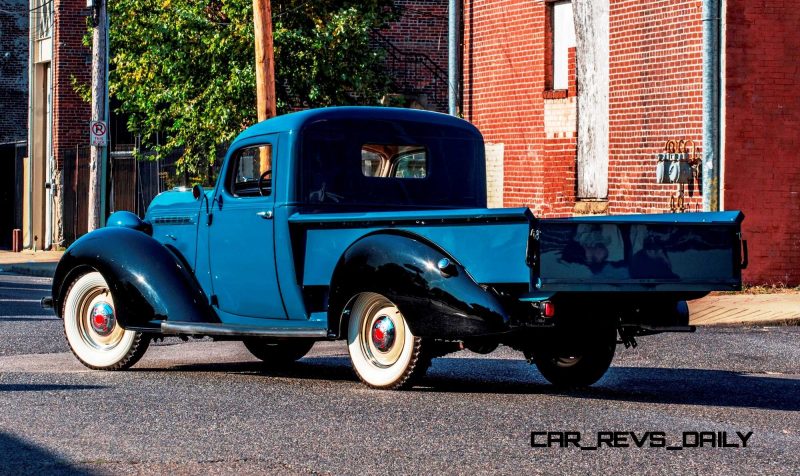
point(504, 78)
point(14, 71)
point(560, 147)
point(71, 59)
point(762, 134)
point(655, 95)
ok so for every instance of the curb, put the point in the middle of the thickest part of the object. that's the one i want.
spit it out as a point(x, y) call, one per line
point(786, 322)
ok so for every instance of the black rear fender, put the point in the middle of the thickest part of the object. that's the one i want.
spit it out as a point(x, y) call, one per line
point(405, 268)
point(147, 281)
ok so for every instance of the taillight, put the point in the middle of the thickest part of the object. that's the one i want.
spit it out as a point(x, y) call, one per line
point(549, 309)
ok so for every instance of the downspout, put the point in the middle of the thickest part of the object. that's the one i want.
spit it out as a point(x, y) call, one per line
point(711, 105)
point(48, 151)
point(28, 186)
point(453, 76)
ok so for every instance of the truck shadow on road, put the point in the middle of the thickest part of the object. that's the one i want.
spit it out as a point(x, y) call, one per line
point(21, 387)
point(706, 387)
point(22, 457)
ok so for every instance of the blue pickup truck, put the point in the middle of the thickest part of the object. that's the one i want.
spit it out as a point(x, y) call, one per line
point(370, 225)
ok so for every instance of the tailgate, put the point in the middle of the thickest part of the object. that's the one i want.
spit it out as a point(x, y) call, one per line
point(668, 252)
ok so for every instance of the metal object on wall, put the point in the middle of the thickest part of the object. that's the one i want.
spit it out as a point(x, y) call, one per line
point(678, 163)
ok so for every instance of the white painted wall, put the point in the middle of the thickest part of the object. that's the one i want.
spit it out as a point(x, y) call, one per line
point(494, 175)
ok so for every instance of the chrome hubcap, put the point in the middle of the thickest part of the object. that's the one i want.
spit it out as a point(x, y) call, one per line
point(98, 323)
point(102, 318)
point(383, 333)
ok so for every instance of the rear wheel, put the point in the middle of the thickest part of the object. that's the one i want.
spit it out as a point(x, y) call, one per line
point(384, 352)
point(576, 361)
point(92, 330)
point(278, 352)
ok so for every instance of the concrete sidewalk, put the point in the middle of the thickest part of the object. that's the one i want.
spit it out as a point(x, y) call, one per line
point(746, 309)
point(715, 310)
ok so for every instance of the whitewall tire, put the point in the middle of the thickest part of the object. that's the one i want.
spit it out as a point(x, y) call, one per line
point(384, 352)
point(92, 330)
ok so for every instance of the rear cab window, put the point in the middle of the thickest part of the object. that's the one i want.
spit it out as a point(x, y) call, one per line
point(394, 161)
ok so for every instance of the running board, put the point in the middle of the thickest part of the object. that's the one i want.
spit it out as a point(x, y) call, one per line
point(202, 328)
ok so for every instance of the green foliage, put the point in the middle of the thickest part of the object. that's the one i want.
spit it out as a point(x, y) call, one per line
point(186, 69)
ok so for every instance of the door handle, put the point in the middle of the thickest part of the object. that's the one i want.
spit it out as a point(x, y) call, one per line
point(267, 215)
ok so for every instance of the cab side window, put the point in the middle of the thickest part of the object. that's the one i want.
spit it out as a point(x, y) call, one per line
point(251, 172)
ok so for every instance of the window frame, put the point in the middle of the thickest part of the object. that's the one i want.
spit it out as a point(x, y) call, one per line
point(550, 53)
point(228, 185)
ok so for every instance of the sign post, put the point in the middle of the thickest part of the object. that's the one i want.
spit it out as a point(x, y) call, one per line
point(98, 128)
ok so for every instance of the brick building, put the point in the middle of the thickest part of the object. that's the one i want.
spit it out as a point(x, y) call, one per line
point(14, 117)
point(519, 90)
point(58, 120)
point(14, 71)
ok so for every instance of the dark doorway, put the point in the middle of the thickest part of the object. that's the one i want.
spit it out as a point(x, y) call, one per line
point(10, 179)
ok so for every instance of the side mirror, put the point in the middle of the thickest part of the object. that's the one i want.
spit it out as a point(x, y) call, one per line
point(197, 191)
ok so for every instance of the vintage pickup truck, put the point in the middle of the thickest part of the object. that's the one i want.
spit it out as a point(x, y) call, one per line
point(370, 225)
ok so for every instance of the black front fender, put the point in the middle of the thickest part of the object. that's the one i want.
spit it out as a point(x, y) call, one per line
point(147, 281)
point(403, 267)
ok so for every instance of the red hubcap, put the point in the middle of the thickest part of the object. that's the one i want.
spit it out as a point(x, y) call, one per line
point(383, 333)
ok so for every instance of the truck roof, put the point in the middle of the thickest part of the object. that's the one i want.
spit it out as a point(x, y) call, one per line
point(297, 120)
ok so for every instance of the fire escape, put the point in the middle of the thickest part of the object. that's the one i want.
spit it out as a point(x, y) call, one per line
point(416, 78)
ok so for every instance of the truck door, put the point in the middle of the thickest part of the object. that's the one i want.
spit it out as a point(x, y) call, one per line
point(241, 237)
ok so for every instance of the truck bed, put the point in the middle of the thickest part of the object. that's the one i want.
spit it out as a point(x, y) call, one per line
point(629, 253)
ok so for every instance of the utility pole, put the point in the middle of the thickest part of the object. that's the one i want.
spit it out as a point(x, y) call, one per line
point(99, 87)
point(265, 68)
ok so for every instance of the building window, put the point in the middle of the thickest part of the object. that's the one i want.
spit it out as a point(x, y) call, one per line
point(42, 13)
point(561, 32)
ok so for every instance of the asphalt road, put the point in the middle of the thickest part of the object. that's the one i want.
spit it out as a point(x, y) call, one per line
point(208, 407)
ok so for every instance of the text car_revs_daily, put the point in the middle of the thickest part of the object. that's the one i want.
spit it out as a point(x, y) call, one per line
point(632, 439)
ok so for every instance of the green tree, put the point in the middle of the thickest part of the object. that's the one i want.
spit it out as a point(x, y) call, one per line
point(186, 69)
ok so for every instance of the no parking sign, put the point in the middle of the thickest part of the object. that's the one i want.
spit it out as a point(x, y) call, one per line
point(98, 131)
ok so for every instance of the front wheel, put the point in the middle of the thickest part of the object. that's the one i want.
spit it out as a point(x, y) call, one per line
point(577, 361)
point(384, 352)
point(92, 330)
